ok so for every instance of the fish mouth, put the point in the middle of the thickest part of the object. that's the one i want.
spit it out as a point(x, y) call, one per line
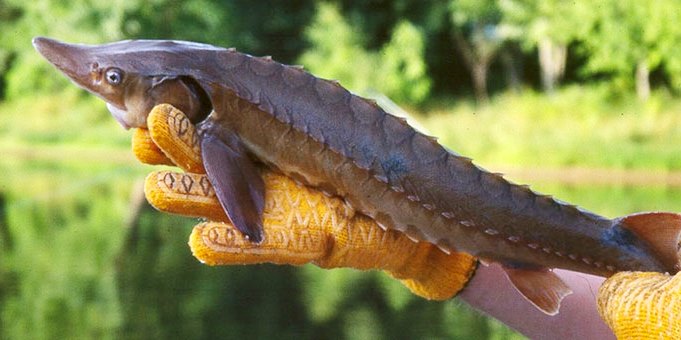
point(119, 114)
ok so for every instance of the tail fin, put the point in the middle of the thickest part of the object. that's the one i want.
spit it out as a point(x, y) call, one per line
point(661, 231)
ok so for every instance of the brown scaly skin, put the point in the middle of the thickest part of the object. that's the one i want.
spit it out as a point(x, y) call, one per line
point(301, 225)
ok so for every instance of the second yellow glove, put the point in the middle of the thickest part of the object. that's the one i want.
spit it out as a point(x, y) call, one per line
point(638, 305)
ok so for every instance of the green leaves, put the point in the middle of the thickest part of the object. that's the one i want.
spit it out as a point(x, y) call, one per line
point(398, 69)
point(402, 68)
point(406, 50)
point(629, 33)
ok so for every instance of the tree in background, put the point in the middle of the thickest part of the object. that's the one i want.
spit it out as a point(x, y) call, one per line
point(398, 69)
point(8, 16)
point(479, 36)
point(336, 50)
point(402, 69)
point(631, 36)
point(550, 26)
point(266, 27)
point(389, 42)
point(176, 19)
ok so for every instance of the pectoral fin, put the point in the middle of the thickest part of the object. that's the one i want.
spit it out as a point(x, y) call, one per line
point(236, 181)
point(543, 288)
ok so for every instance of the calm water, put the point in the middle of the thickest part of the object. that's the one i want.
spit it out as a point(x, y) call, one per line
point(82, 257)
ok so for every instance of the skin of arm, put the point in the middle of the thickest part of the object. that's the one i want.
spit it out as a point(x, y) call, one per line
point(490, 292)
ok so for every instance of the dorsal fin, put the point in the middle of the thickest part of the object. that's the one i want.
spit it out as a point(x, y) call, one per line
point(661, 231)
point(542, 287)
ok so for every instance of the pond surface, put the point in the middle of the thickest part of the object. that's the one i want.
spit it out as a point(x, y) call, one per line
point(83, 256)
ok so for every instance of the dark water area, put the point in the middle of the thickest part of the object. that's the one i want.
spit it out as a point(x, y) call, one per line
point(82, 256)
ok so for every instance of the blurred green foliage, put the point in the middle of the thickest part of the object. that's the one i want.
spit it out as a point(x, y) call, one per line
point(380, 45)
point(398, 69)
point(632, 35)
point(73, 265)
point(572, 128)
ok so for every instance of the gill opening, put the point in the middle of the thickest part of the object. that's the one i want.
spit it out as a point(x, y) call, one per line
point(206, 105)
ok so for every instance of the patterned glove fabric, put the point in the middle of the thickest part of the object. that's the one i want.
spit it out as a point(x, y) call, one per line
point(638, 305)
point(301, 225)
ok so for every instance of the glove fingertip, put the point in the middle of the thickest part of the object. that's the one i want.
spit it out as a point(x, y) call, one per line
point(146, 151)
point(216, 243)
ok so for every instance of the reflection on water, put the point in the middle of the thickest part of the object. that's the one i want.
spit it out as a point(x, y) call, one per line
point(80, 259)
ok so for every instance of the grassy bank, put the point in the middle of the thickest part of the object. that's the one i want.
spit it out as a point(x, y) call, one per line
point(576, 127)
point(70, 118)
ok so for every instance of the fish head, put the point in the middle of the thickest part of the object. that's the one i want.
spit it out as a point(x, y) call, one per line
point(131, 76)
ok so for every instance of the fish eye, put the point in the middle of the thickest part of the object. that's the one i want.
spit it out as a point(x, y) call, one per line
point(114, 76)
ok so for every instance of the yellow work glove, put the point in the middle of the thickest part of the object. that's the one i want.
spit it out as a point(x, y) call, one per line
point(638, 305)
point(301, 225)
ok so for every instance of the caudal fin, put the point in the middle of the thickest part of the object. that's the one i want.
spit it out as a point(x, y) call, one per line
point(661, 231)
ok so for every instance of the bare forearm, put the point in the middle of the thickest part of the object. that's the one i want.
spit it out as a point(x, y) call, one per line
point(490, 292)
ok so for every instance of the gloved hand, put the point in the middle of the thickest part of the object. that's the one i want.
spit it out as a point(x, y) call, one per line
point(639, 305)
point(301, 225)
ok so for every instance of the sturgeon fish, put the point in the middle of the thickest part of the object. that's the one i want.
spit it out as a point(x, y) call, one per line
point(253, 111)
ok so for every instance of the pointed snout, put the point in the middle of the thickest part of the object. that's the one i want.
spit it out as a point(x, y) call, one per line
point(68, 58)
